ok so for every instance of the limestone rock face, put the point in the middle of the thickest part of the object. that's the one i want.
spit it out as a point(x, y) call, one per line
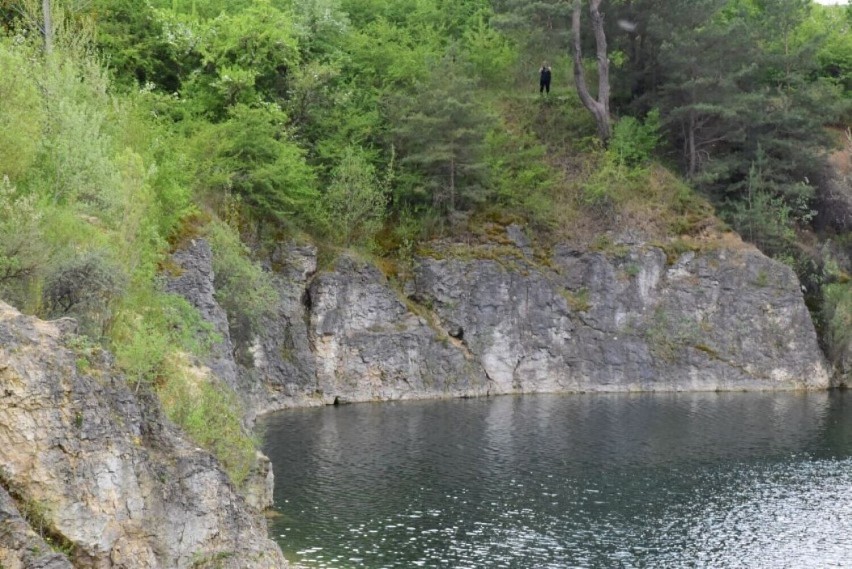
point(284, 367)
point(634, 319)
point(106, 472)
point(478, 321)
point(20, 546)
point(194, 282)
point(369, 345)
point(720, 320)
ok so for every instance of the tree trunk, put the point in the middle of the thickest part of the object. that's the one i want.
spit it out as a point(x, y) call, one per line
point(452, 184)
point(48, 26)
point(598, 107)
point(693, 152)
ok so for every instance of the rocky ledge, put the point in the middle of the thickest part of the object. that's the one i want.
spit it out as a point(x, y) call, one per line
point(92, 475)
point(485, 320)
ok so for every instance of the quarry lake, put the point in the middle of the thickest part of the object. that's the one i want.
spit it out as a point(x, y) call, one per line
point(757, 480)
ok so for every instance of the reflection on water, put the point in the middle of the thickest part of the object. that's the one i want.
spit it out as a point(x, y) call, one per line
point(700, 480)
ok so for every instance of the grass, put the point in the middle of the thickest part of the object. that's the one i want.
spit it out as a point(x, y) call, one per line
point(210, 413)
point(37, 514)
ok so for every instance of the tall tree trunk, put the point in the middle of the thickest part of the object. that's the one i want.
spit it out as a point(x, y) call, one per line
point(47, 19)
point(598, 107)
point(452, 184)
point(693, 152)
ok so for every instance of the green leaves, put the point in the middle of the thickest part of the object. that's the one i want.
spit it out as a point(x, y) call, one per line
point(251, 156)
point(356, 199)
point(441, 135)
point(21, 113)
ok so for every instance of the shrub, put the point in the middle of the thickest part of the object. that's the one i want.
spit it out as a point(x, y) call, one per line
point(209, 412)
point(21, 114)
point(355, 199)
point(252, 156)
point(837, 315)
point(150, 326)
point(85, 286)
point(22, 249)
point(243, 288)
point(633, 142)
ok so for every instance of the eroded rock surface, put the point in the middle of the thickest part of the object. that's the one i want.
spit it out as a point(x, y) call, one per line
point(369, 346)
point(495, 319)
point(105, 471)
point(720, 320)
point(489, 321)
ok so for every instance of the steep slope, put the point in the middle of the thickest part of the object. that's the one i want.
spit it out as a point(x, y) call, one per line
point(100, 471)
point(490, 319)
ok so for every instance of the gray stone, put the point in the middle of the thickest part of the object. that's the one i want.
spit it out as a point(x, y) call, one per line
point(369, 346)
point(20, 546)
point(194, 282)
point(725, 319)
point(720, 320)
point(284, 366)
point(111, 475)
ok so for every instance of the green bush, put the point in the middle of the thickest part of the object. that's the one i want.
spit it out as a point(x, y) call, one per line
point(210, 413)
point(633, 142)
point(837, 315)
point(243, 288)
point(21, 113)
point(355, 199)
point(149, 327)
point(23, 253)
point(85, 286)
point(251, 155)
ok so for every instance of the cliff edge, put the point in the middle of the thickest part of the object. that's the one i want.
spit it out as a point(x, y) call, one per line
point(92, 475)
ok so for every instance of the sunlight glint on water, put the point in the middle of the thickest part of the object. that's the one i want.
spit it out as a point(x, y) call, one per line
point(706, 480)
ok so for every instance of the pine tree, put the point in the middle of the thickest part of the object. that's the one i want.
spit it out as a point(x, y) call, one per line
point(440, 133)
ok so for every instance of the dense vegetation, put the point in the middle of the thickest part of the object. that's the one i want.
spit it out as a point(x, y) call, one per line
point(127, 126)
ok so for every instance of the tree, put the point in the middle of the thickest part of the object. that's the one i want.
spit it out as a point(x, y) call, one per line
point(541, 25)
point(86, 286)
point(21, 114)
point(702, 90)
point(47, 24)
point(132, 36)
point(247, 58)
point(599, 106)
point(22, 248)
point(441, 134)
point(251, 156)
point(356, 199)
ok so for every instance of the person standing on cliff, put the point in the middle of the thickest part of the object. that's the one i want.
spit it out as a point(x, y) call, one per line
point(544, 79)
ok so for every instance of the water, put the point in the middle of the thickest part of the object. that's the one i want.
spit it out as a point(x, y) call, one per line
point(682, 480)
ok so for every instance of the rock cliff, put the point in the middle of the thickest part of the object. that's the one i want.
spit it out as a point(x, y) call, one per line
point(492, 319)
point(92, 475)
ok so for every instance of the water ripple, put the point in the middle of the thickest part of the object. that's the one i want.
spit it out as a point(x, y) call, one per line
point(697, 480)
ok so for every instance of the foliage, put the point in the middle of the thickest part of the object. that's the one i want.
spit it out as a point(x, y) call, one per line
point(521, 179)
point(251, 156)
point(210, 413)
point(21, 114)
point(837, 314)
point(633, 142)
point(622, 167)
point(441, 134)
point(356, 199)
point(763, 218)
point(85, 286)
point(149, 327)
point(245, 58)
point(243, 288)
point(23, 253)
